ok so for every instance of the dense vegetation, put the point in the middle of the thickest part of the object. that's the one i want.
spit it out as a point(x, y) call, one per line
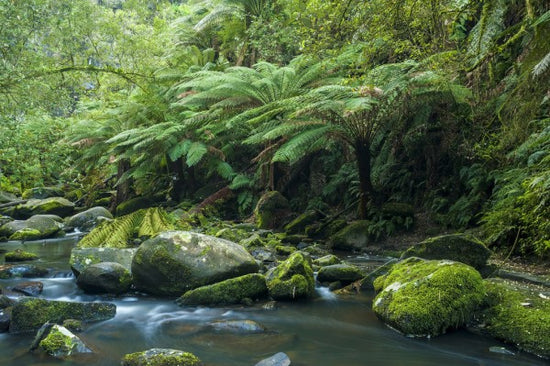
point(336, 104)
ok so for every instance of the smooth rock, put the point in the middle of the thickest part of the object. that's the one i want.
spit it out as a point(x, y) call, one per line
point(105, 277)
point(278, 359)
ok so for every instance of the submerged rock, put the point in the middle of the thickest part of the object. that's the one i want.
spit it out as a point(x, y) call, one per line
point(292, 279)
point(426, 298)
point(278, 359)
point(87, 220)
point(161, 357)
point(36, 227)
point(237, 326)
point(175, 262)
point(82, 258)
point(29, 314)
point(58, 341)
point(105, 277)
point(232, 291)
point(456, 247)
point(33, 288)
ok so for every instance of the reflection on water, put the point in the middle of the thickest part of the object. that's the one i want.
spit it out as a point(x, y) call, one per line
point(324, 332)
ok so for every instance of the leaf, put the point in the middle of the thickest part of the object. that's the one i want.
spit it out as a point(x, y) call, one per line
point(180, 149)
point(196, 152)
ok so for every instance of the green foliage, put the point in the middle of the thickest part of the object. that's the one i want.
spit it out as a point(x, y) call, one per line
point(119, 233)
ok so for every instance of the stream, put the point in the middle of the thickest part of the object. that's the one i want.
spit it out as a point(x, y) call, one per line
point(328, 330)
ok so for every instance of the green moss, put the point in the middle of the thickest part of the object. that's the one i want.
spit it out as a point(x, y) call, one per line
point(271, 210)
point(426, 298)
point(292, 279)
point(327, 260)
point(161, 357)
point(353, 237)
point(284, 249)
point(26, 234)
point(19, 255)
point(232, 291)
point(339, 272)
point(509, 319)
point(56, 342)
point(298, 225)
point(252, 242)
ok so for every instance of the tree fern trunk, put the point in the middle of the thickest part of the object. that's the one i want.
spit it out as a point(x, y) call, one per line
point(122, 188)
point(362, 152)
point(178, 182)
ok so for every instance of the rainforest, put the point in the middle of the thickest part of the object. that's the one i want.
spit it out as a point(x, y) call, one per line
point(274, 182)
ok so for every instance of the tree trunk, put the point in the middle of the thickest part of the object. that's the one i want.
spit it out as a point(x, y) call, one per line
point(362, 152)
point(178, 179)
point(122, 188)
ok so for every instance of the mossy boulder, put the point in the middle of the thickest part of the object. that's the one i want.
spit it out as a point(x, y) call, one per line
point(58, 341)
point(272, 210)
point(291, 279)
point(6, 197)
point(87, 220)
point(133, 204)
point(29, 314)
point(299, 224)
point(105, 277)
point(81, 258)
point(19, 255)
point(42, 192)
point(175, 262)
point(232, 291)
point(161, 357)
point(21, 270)
point(36, 227)
point(344, 273)
point(426, 298)
point(49, 206)
point(516, 316)
point(252, 242)
point(456, 247)
point(352, 237)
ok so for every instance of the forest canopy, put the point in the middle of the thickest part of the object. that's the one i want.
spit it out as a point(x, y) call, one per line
point(340, 105)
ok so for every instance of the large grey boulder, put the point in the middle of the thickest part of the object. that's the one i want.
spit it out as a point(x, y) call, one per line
point(6, 197)
point(53, 206)
point(354, 236)
point(175, 262)
point(36, 227)
point(81, 258)
point(29, 314)
point(87, 220)
point(105, 277)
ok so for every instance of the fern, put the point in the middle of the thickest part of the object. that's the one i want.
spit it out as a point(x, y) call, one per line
point(120, 232)
point(196, 152)
point(542, 67)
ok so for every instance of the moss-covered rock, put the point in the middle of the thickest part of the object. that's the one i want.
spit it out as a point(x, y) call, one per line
point(299, 224)
point(105, 277)
point(87, 220)
point(175, 262)
point(19, 255)
point(292, 279)
point(29, 314)
point(344, 273)
point(456, 247)
point(59, 342)
point(232, 291)
point(42, 192)
point(81, 258)
point(21, 270)
point(232, 234)
point(252, 242)
point(161, 357)
point(133, 205)
point(327, 260)
point(517, 317)
point(284, 250)
point(352, 237)
point(272, 210)
point(36, 227)
point(6, 197)
point(49, 206)
point(426, 298)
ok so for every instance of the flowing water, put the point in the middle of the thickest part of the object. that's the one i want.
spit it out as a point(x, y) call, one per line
point(327, 331)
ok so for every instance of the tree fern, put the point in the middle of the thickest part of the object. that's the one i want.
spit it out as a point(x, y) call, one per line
point(120, 232)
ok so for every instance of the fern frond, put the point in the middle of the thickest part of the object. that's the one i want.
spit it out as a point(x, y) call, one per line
point(542, 67)
point(196, 152)
point(302, 144)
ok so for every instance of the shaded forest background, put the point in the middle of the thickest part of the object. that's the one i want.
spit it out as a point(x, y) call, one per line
point(342, 106)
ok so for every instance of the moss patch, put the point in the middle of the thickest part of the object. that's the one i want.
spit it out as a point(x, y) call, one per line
point(232, 291)
point(292, 279)
point(161, 357)
point(517, 317)
point(19, 255)
point(426, 298)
